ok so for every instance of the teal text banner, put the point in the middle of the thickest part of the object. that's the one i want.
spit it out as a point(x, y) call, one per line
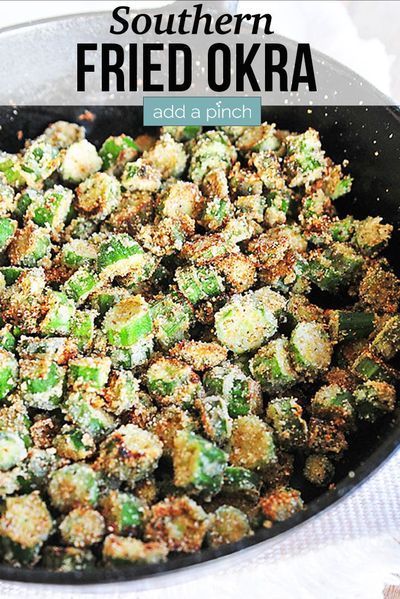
point(212, 111)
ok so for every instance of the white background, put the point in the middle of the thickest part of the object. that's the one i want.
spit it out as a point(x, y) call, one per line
point(353, 551)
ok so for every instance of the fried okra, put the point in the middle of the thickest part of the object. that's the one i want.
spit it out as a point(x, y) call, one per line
point(190, 323)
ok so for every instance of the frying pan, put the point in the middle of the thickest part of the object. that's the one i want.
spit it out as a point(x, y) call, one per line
point(369, 137)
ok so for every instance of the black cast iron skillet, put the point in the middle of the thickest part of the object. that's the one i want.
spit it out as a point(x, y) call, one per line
point(369, 137)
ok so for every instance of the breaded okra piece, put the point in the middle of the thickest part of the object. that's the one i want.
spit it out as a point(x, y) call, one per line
point(171, 381)
point(129, 454)
point(285, 415)
point(179, 523)
point(198, 464)
point(281, 503)
point(79, 162)
point(305, 160)
point(252, 444)
point(82, 527)
point(8, 373)
point(167, 156)
point(227, 525)
point(271, 366)
point(318, 470)
point(25, 525)
point(123, 551)
point(200, 355)
point(244, 323)
point(72, 486)
point(98, 195)
point(67, 559)
point(124, 513)
point(116, 151)
point(241, 392)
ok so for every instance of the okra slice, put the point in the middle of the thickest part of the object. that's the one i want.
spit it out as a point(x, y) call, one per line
point(10, 167)
point(327, 437)
point(212, 150)
point(8, 199)
point(228, 524)
point(272, 368)
point(90, 372)
point(172, 316)
point(83, 329)
point(199, 283)
point(129, 454)
point(285, 415)
point(39, 161)
point(244, 323)
point(216, 213)
point(118, 255)
point(74, 444)
point(349, 326)
point(182, 133)
point(14, 418)
point(318, 470)
point(281, 504)
point(72, 486)
point(81, 284)
point(136, 355)
point(59, 349)
point(179, 523)
point(387, 341)
point(34, 472)
point(50, 209)
point(369, 367)
point(310, 349)
point(124, 514)
point(371, 235)
point(78, 252)
point(62, 134)
point(8, 226)
point(98, 195)
point(200, 355)
point(25, 524)
point(373, 399)
point(60, 312)
point(121, 392)
point(67, 559)
point(214, 414)
point(171, 381)
point(116, 151)
point(82, 527)
point(332, 402)
point(7, 340)
point(198, 464)
point(238, 480)
point(29, 245)
point(305, 160)
point(166, 424)
point(42, 382)
point(10, 274)
point(8, 373)
point(242, 393)
point(252, 444)
point(128, 322)
point(334, 268)
point(84, 410)
point(140, 176)
point(167, 156)
point(12, 450)
point(258, 139)
point(80, 161)
point(122, 551)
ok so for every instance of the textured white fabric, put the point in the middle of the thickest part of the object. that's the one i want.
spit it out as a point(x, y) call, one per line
point(351, 551)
